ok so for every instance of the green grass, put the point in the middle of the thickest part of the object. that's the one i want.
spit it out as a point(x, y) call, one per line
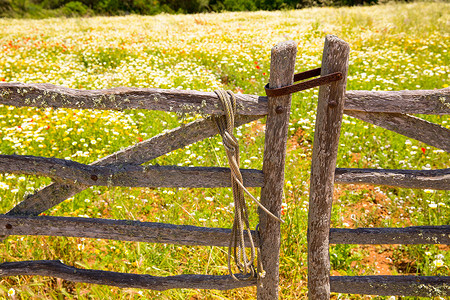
point(393, 47)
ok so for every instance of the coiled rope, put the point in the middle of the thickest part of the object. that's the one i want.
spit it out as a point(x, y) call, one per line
point(241, 227)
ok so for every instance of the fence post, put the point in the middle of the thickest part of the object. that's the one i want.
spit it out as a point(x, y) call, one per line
point(281, 74)
point(326, 140)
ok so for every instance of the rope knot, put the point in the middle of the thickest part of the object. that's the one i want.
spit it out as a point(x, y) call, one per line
point(241, 226)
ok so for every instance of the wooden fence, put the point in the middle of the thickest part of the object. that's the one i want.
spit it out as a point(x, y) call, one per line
point(389, 110)
point(124, 168)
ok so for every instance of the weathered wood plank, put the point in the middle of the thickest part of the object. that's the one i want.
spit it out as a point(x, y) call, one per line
point(326, 141)
point(54, 268)
point(144, 151)
point(414, 179)
point(124, 230)
point(433, 102)
point(126, 175)
point(281, 74)
point(419, 286)
point(410, 126)
point(48, 95)
point(406, 236)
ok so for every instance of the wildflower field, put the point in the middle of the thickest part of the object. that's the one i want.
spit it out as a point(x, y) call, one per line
point(393, 47)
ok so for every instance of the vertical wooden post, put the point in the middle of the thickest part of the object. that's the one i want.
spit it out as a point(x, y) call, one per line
point(281, 74)
point(326, 140)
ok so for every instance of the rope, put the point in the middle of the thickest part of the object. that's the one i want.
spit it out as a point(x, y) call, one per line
point(241, 227)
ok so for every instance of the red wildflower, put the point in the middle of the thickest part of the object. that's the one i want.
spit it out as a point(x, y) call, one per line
point(423, 150)
point(258, 67)
point(140, 139)
point(264, 73)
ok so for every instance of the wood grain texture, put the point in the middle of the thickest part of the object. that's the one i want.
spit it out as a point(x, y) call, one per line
point(126, 175)
point(181, 101)
point(379, 236)
point(54, 268)
point(415, 179)
point(277, 124)
point(124, 230)
point(410, 126)
point(144, 151)
point(419, 286)
point(325, 148)
point(434, 102)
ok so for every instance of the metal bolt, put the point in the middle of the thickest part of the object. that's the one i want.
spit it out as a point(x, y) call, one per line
point(94, 177)
point(279, 109)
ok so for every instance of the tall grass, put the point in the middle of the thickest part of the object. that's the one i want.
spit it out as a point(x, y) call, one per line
point(394, 47)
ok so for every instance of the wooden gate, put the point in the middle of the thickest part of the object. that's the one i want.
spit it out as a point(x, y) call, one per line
point(124, 168)
point(389, 110)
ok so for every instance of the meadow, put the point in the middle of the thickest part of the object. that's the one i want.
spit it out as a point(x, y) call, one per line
point(393, 47)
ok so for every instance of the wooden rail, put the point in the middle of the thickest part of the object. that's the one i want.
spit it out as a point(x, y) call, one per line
point(54, 268)
point(410, 126)
point(48, 95)
point(152, 232)
point(417, 179)
point(378, 236)
point(419, 286)
point(128, 175)
point(434, 102)
point(124, 230)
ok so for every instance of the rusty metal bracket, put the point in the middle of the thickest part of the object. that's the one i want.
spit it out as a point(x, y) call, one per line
point(290, 89)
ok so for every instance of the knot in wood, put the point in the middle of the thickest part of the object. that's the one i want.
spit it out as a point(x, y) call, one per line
point(8, 226)
point(279, 109)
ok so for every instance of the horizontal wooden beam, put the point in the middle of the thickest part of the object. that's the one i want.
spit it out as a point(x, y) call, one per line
point(127, 174)
point(415, 179)
point(419, 286)
point(410, 126)
point(124, 230)
point(47, 95)
point(379, 236)
point(182, 101)
point(54, 268)
point(433, 102)
point(139, 153)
